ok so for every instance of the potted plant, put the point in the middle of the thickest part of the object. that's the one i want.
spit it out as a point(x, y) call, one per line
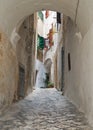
point(50, 85)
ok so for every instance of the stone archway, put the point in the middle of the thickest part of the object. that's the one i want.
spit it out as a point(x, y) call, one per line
point(15, 11)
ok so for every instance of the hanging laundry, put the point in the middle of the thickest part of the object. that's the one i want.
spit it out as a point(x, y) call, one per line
point(40, 42)
point(40, 14)
point(47, 14)
point(50, 36)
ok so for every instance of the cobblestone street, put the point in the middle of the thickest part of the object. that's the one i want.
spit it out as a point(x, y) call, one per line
point(44, 109)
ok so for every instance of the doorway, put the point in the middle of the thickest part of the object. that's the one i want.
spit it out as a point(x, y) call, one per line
point(62, 53)
point(21, 84)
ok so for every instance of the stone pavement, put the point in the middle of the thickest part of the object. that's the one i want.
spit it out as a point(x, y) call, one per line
point(44, 109)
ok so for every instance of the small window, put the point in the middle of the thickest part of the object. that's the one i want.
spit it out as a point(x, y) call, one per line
point(58, 18)
point(69, 62)
point(0, 37)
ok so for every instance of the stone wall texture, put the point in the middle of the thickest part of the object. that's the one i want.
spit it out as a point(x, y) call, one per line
point(26, 52)
point(10, 58)
point(8, 72)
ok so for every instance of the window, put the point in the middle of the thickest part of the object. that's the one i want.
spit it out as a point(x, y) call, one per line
point(69, 62)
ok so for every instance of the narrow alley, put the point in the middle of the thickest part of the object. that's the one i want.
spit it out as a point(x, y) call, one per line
point(46, 65)
point(44, 109)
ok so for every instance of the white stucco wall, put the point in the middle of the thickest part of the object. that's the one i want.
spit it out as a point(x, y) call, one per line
point(79, 81)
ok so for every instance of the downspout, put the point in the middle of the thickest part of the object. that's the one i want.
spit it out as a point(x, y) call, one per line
point(76, 11)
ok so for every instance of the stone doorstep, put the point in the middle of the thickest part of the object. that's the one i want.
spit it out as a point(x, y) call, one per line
point(4, 110)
